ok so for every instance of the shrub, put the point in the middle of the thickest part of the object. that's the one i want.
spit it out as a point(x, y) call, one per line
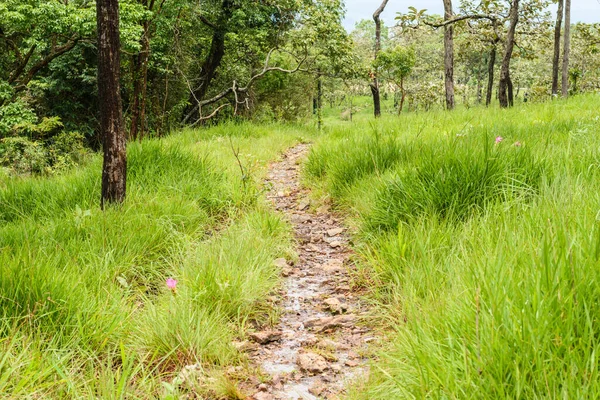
point(23, 156)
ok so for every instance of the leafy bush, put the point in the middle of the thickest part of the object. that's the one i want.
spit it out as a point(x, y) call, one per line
point(13, 114)
point(22, 155)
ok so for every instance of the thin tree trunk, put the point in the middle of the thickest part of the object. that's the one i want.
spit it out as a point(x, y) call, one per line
point(556, 58)
point(566, 50)
point(375, 84)
point(504, 83)
point(114, 171)
point(509, 87)
point(449, 55)
point(319, 102)
point(403, 96)
point(490, 85)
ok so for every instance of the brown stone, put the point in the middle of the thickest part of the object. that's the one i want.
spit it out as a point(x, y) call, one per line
point(265, 337)
point(312, 363)
point(281, 263)
point(335, 244)
point(332, 304)
point(263, 396)
point(334, 232)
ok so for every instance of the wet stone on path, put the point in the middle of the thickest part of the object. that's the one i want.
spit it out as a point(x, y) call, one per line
point(313, 353)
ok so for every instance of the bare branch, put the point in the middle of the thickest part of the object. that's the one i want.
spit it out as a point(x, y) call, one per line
point(215, 112)
point(461, 18)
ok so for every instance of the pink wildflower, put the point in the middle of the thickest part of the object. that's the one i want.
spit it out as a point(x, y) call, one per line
point(499, 139)
point(172, 284)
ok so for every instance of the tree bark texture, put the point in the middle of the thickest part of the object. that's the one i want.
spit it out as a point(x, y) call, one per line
point(114, 170)
point(503, 88)
point(566, 49)
point(449, 55)
point(490, 84)
point(556, 58)
point(375, 83)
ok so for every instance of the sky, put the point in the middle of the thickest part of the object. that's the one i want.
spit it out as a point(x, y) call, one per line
point(581, 10)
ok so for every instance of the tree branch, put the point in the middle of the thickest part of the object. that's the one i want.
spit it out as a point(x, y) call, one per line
point(54, 53)
point(461, 18)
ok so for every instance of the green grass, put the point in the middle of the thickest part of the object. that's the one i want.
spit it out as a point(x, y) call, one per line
point(482, 259)
point(85, 311)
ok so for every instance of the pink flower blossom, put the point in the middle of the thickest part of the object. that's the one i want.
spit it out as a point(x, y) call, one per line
point(499, 139)
point(172, 284)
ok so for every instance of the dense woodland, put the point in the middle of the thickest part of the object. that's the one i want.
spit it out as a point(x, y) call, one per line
point(187, 63)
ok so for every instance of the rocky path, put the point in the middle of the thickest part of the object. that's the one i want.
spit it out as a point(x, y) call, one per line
point(316, 349)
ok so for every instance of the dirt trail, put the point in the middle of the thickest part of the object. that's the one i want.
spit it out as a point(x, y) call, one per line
point(316, 348)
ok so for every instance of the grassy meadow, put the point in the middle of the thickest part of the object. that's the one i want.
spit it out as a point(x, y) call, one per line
point(478, 233)
point(86, 312)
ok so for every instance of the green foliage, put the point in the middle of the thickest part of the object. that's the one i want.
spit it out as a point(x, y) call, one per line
point(14, 114)
point(23, 155)
point(85, 309)
point(396, 63)
point(481, 257)
point(454, 184)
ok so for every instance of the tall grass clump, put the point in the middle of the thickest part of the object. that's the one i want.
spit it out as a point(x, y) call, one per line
point(354, 157)
point(455, 182)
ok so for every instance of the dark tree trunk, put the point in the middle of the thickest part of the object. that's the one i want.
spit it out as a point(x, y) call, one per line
point(490, 85)
point(213, 59)
point(375, 84)
point(556, 58)
point(511, 97)
point(449, 55)
point(566, 50)
point(503, 89)
point(319, 102)
point(114, 171)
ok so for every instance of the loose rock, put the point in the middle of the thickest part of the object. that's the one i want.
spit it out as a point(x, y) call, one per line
point(335, 232)
point(312, 362)
point(265, 337)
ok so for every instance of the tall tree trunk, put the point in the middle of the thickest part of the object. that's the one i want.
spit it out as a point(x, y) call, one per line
point(375, 83)
point(556, 58)
point(114, 171)
point(213, 59)
point(504, 83)
point(491, 65)
point(566, 50)
point(449, 55)
point(319, 102)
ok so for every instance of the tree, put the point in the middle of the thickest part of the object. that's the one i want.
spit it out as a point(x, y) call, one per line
point(566, 49)
point(114, 170)
point(375, 84)
point(505, 89)
point(397, 65)
point(556, 57)
point(449, 55)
